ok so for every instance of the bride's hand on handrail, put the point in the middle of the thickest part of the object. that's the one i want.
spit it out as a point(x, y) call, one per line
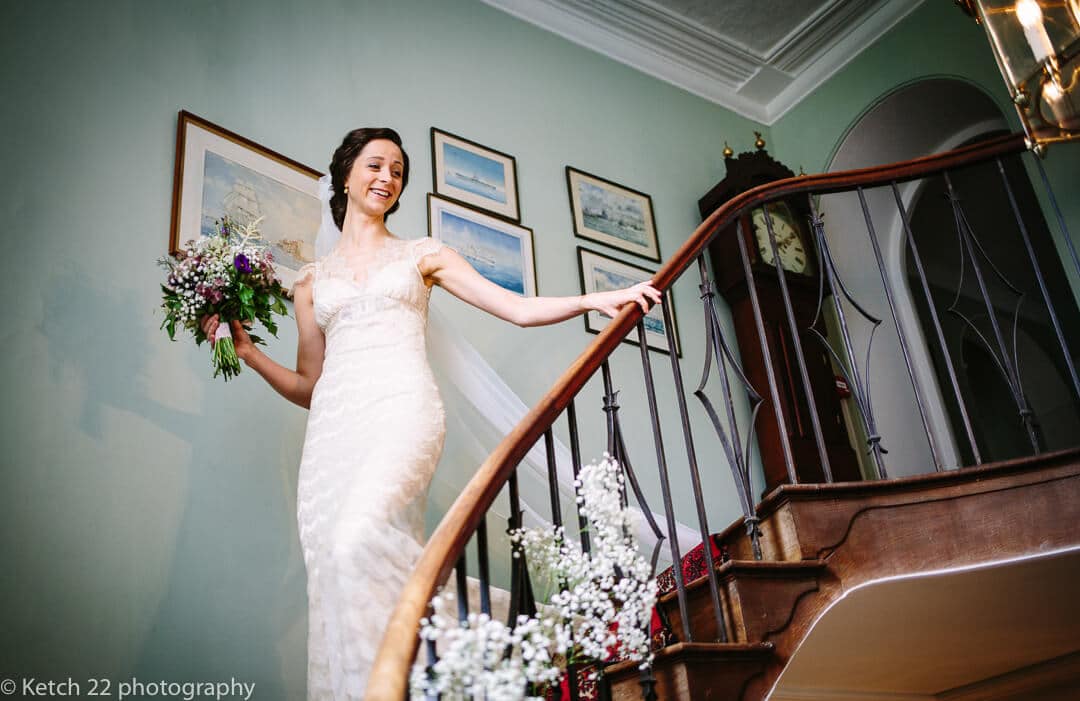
point(643, 294)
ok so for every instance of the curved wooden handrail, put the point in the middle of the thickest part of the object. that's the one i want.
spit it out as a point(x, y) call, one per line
point(389, 677)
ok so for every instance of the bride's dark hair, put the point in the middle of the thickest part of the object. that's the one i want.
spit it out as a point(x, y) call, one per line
point(342, 162)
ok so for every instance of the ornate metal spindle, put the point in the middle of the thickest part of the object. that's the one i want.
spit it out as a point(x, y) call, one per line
point(714, 335)
point(553, 479)
point(482, 562)
point(738, 460)
point(665, 485)
point(522, 601)
point(793, 325)
point(432, 658)
point(859, 391)
point(611, 407)
point(462, 589)
point(1057, 212)
point(617, 449)
point(904, 350)
point(1039, 278)
point(770, 373)
point(936, 322)
point(647, 681)
point(1007, 366)
point(575, 460)
point(695, 477)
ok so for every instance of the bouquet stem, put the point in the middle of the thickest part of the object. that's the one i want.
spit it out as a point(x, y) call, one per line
point(224, 353)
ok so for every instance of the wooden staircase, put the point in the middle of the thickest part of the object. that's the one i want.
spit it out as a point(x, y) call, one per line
point(818, 542)
point(821, 541)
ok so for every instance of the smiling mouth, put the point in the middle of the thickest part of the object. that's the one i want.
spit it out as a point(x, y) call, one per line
point(385, 194)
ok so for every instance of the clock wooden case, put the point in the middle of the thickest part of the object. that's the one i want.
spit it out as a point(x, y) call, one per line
point(795, 246)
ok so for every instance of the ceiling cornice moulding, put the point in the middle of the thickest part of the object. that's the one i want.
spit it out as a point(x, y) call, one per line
point(701, 59)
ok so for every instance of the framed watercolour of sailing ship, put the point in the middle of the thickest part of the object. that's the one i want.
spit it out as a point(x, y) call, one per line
point(613, 215)
point(599, 273)
point(499, 250)
point(220, 173)
point(474, 175)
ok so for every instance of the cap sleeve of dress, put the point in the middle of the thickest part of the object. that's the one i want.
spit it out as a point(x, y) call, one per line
point(308, 273)
point(425, 247)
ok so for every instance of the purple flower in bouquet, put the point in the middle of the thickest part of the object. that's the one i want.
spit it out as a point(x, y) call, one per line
point(242, 263)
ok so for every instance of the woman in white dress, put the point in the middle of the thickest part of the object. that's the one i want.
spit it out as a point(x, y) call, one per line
point(376, 424)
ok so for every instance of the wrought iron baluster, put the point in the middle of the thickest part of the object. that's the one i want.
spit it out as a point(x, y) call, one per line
point(793, 325)
point(647, 681)
point(695, 477)
point(483, 564)
point(1039, 278)
point(553, 479)
point(611, 408)
point(462, 589)
point(665, 483)
point(617, 449)
point(522, 601)
point(738, 459)
point(904, 350)
point(770, 372)
point(432, 658)
point(1008, 368)
point(575, 460)
point(909, 237)
point(860, 393)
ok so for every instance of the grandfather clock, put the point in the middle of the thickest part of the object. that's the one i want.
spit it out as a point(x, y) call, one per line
point(796, 249)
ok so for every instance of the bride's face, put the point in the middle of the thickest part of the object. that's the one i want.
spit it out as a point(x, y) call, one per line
point(375, 180)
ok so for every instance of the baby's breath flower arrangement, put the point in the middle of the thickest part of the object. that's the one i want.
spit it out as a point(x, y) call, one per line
point(600, 611)
point(230, 274)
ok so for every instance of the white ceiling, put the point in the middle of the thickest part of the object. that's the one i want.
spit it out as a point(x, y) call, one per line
point(758, 58)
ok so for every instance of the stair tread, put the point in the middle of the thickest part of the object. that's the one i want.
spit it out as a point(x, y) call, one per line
point(751, 568)
point(714, 651)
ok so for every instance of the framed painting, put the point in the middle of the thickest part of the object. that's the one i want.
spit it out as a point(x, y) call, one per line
point(475, 175)
point(613, 215)
point(499, 250)
point(219, 172)
point(600, 273)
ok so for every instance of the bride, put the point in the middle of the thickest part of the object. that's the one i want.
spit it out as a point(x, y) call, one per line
point(376, 423)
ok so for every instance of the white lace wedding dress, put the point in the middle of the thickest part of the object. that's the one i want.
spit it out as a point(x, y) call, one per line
point(374, 436)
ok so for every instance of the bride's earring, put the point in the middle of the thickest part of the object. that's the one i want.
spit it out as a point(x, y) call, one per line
point(346, 189)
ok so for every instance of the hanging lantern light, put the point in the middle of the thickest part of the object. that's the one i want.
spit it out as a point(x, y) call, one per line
point(1037, 47)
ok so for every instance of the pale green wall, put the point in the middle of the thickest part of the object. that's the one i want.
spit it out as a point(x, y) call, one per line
point(148, 512)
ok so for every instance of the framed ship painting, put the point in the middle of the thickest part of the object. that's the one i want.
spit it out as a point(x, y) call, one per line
point(599, 273)
point(613, 215)
point(220, 173)
point(475, 175)
point(499, 250)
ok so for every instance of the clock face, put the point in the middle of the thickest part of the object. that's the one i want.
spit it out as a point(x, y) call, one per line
point(789, 242)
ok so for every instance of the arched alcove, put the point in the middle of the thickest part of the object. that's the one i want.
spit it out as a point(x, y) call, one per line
point(916, 119)
point(928, 116)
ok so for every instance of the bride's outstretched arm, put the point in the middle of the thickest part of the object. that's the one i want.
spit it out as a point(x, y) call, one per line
point(294, 385)
point(452, 272)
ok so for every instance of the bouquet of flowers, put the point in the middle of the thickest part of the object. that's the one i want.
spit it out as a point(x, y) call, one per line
point(601, 610)
point(230, 274)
